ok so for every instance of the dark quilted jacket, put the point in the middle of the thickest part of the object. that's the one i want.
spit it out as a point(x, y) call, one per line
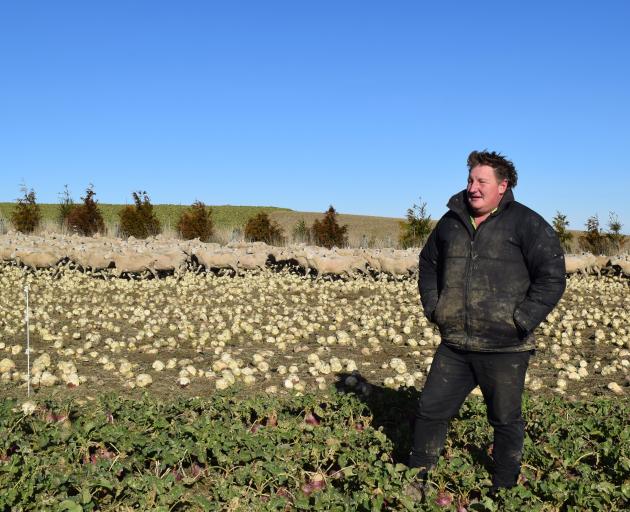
point(488, 289)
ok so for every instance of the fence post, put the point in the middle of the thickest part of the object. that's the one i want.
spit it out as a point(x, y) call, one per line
point(28, 344)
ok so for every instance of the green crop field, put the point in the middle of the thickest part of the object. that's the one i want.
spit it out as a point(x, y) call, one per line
point(314, 452)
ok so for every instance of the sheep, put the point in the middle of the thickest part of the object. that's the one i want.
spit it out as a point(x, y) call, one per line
point(134, 263)
point(6, 253)
point(599, 263)
point(287, 257)
point(398, 266)
point(373, 261)
point(36, 259)
point(337, 265)
point(211, 260)
point(175, 261)
point(91, 260)
point(574, 264)
point(622, 266)
point(252, 260)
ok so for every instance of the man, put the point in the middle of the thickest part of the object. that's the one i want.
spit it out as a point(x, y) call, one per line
point(490, 272)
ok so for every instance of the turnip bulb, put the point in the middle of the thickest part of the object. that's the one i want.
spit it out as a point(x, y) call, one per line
point(196, 470)
point(311, 419)
point(317, 483)
point(443, 499)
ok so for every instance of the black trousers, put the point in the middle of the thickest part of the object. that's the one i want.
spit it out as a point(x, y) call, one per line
point(453, 375)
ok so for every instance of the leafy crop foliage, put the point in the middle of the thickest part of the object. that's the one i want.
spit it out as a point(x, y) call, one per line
point(312, 452)
point(26, 215)
point(139, 220)
point(416, 229)
point(261, 228)
point(86, 219)
point(328, 233)
point(196, 222)
point(560, 225)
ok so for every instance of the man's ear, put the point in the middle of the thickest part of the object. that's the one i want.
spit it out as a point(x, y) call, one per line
point(503, 187)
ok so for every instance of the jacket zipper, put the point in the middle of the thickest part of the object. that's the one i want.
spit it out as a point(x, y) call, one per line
point(468, 273)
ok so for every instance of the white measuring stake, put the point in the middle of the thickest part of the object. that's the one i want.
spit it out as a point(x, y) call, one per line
point(28, 346)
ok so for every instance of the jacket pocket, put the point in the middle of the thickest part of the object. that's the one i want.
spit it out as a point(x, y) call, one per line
point(435, 318)
point(450, 311)
point(522, 331)
point(492, 317)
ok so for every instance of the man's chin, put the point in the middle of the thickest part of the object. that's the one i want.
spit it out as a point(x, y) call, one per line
point(474, 209)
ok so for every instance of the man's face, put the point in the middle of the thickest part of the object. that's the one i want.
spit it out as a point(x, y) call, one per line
point(484, 191)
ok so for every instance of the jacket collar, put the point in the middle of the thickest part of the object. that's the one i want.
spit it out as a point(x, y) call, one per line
point(459, 205)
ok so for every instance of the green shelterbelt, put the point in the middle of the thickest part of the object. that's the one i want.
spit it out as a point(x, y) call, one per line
point(329, 451)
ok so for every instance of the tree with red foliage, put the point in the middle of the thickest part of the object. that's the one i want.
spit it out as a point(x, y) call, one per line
point(328, 233)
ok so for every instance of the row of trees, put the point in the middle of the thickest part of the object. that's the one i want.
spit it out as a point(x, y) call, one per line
point(139, 220)
point(595, 239)
point(85, 218)
point(325, 232)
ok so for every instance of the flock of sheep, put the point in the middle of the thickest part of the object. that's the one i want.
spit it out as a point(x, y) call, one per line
point(590, 264)
point(158, 256)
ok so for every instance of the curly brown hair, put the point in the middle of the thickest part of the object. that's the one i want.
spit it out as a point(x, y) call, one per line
point(503, 168)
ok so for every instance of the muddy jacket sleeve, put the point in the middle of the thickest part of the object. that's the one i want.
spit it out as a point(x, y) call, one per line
point(428, 275)
point(545, 263)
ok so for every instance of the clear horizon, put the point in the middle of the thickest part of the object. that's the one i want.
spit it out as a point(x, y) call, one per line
point(359, 104)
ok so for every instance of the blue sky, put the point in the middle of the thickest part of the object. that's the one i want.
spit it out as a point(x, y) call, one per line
point(361, 104)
